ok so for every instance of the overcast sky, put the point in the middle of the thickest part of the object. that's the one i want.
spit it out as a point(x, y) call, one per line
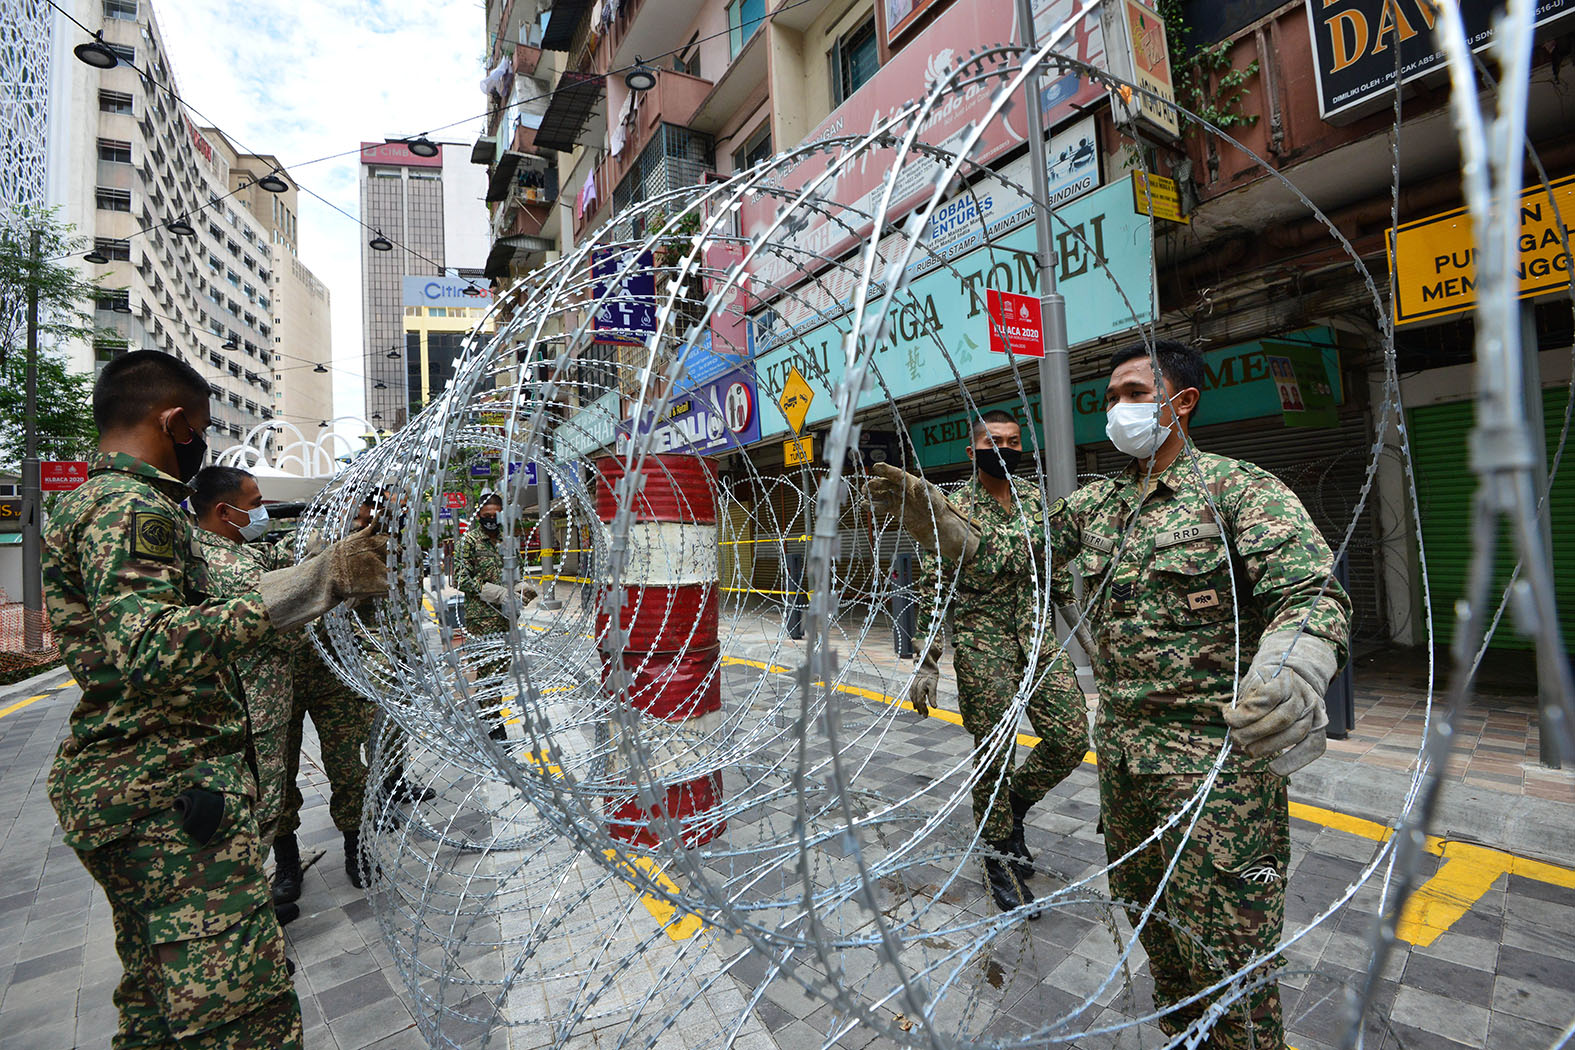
point(312, 77)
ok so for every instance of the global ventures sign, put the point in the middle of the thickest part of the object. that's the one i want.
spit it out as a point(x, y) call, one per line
point(1354, 40)
point(427, 290)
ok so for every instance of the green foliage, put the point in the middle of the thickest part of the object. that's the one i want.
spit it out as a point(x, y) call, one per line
point(1203, 78)
point(65, 410)
point(63, 294)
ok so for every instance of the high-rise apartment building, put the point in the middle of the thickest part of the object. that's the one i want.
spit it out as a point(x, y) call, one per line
point(192, 257)
point(428, 219)
point(303, 354)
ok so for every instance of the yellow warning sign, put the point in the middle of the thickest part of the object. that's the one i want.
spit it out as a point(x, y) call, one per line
point(1157, 196)
point(798, 451)
point(1433, 261)
point(795, 399)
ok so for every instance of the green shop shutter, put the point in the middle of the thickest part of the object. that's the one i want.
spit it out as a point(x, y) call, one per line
point(1445, 487)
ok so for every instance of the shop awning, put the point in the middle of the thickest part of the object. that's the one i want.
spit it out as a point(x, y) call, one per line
point(572, 101)
point(483, 151)
point(503, 177)
point(562, 24)
point(505, 248)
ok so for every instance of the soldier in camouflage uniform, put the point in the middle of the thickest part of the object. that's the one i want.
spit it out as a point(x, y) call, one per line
point(236, 562)
point(1174, 552)
point(478, 572)
point(152, 784)
point(994, 614)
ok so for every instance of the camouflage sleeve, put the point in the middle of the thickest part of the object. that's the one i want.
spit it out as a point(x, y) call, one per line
point(1063, 541)
point(133, 572)
point(1287, 562)
point(467, 576)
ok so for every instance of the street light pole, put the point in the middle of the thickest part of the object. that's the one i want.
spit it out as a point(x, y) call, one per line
point(32, 508)
point(1055, 372)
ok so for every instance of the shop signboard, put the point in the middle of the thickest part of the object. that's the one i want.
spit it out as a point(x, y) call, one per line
point(927, 59)
point(1015, 324)
point(11, 515)
point(625, 298)
point(1239, 384)
point(1158, 196)
point(1354, 43)
point(718, 416)
point(1432, 261)
point(1139, 53)
point(1105, 271)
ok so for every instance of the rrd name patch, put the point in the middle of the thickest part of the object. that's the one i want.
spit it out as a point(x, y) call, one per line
point(152, 536)
point(1186, 534)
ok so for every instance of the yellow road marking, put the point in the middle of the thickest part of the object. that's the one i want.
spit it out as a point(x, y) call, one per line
point(678, 927)
point(68, 683)
point(1467, 873)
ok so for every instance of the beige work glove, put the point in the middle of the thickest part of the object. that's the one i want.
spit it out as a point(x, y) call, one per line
point(350, 569)
point(923, 511)
point(492, 593)
point(926, 680)
point(1283, 714)
point(525, 591)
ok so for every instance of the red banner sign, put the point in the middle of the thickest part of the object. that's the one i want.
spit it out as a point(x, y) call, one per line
point(454, 500)
point(1015, 324)
point(62, 476)
point(397, 153)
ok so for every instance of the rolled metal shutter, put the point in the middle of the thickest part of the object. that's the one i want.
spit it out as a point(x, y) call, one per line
point(1445, 487)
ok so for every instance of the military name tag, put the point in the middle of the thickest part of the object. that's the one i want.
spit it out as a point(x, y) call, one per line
point(1208, 599)
point(1186, 534)
point(152, 536)
point(1101, 544)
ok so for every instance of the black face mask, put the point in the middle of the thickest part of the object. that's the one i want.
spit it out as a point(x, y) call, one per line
point(997, 462)
point(490, 524)
point(189, 457)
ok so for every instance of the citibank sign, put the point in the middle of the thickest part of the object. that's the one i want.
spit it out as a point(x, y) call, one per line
point(427, 290)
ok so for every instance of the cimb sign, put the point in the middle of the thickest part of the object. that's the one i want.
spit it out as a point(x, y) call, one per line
point(427, 290)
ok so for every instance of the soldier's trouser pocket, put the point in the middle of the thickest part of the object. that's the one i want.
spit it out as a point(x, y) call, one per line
point(215, 969)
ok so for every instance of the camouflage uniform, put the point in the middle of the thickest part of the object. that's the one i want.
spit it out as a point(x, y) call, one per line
point(194, 927)
point(993, 615)
point(1164, 610)
point(479, 561)
point(235, 569)
point(344, 722)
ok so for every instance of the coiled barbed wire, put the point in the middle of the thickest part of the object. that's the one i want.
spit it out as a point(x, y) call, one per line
point(523, 897)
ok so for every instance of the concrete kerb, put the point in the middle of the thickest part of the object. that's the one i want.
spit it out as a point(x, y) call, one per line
point(42, 682)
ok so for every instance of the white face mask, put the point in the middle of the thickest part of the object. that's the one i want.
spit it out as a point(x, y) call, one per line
point(1135, 429)
point(256, 526)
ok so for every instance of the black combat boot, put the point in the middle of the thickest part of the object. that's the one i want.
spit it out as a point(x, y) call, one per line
point(1005, 886)
point(286, 913)
point(353, 865)
point(1016, 846)
point(286, 869)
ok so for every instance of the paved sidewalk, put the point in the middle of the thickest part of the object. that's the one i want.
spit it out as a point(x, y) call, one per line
point(1496, 971)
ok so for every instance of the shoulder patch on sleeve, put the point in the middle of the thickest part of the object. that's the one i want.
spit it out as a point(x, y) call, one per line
point(152, 536)
point(1058, 507)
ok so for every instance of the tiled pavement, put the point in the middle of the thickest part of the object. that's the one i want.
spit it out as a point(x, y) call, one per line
point(1500, 977)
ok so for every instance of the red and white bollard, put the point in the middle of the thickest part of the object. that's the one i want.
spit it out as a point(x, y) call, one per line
point(672, 659)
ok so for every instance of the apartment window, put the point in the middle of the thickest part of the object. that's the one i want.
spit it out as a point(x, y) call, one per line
point(114, 151)
point(125, 10)
point(114, 102)
point(108, 349)
point(113, 248)
point(126, 54)
point(755, 149)
point(112, 299)
point(743, 18)
point(854, 59)
point(113, 200)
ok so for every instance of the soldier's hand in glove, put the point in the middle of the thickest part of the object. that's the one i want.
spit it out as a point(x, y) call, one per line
point(923, 511)
point(926, 680)
point(492, 593)
point(352, 568)
point(1281, 708)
